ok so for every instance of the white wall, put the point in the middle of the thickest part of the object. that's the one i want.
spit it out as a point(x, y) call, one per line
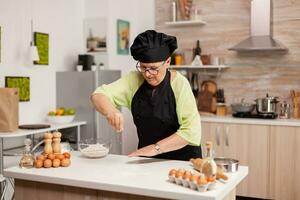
point(63, 22)
point(140, 14)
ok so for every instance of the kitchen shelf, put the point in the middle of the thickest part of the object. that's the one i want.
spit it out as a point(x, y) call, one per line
point(192, 67)
point(186, 23)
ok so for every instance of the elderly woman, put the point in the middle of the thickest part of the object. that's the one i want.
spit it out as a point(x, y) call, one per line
point(161, 101)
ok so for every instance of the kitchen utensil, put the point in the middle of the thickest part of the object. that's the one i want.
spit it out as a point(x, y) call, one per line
point(94, 148)
point(195, 84)
point(266, 105)
point(284, 110)
point(210, 85)
point(34, 126)
point(242, 107)
point(61, 119)
point(206, 97)
point(220, 96)
point(227, 164)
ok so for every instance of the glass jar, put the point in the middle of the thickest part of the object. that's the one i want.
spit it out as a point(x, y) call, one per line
point(27, 160)
point(195, 13)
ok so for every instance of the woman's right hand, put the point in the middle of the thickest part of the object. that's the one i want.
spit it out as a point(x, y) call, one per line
point(116, 120)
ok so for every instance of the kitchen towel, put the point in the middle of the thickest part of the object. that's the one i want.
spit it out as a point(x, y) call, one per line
point(9, 109)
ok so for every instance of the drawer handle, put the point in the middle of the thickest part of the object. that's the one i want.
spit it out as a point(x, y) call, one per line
point(226, 136)
point(218, 135)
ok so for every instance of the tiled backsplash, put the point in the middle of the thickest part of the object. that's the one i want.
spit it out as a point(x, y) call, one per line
point(252, 74)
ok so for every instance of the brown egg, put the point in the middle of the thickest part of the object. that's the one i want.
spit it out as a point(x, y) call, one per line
point(65, 162)
point(211, 178)
point(187, 175)
point(202, 181)
point(194, 178)
point(179, 174)
point(47, 163)
point(41, 157)
point(172, 172)
point(67, 155)
point(38, 163)
point(51, 156)
point(56, 163)
point(59, 156)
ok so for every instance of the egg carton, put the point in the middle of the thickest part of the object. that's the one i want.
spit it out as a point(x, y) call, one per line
point(192, 185)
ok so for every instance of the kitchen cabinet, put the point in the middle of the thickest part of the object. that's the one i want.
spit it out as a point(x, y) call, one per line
point(285, 163)
point(250, 145)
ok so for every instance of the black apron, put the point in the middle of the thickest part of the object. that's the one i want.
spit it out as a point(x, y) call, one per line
point(155, 118)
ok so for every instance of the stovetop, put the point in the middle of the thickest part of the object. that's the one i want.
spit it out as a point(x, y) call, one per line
point(255, 115)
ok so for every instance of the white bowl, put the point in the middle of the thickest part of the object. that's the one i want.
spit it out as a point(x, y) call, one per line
point(61, 119)
point(94, 148)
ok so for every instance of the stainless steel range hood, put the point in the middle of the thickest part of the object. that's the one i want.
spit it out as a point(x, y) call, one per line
point(261, 32)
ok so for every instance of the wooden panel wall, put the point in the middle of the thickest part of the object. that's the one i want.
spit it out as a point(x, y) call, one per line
point(228, 21)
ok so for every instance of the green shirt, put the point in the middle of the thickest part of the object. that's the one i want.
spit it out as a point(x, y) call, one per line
point(121, 93)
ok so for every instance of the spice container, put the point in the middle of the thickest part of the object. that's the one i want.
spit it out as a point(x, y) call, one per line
point(178, 59)
point(221, 109)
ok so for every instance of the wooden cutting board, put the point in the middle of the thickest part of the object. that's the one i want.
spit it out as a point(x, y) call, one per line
point(206, 102)
point(34, 126)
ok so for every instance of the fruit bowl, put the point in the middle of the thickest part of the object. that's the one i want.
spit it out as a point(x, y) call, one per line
point(94, 148)
point(60, 119)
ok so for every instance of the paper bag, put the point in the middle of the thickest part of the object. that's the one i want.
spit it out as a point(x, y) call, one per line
point(9, 109)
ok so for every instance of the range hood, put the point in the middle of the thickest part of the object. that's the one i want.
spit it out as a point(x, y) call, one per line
point(261, 31)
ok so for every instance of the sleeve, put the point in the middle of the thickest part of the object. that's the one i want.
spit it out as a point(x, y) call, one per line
point(121, 91)
point(188, 115)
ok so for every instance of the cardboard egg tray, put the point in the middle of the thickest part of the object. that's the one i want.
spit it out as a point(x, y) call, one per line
point(192, 185)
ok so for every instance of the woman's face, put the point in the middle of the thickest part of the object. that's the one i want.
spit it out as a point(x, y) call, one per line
point(154, 73)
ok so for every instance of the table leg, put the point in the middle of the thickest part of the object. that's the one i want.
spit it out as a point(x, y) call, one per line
point(78, 136)
point(1, 164)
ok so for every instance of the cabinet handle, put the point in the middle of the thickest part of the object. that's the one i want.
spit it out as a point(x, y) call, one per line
point(218, 135)
point(226, 136)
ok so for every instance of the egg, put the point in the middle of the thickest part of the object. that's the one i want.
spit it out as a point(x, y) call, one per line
point(65, 162)
point(194, 178)
point(59, 156)
point(56, 163)
point(172, 172)
point(202, 181)
point(67, 155)
point(40, 157)
point(211, 178)
point(47, 163)
point(179, 174)
point(187, 175)
point(51, 156)
point(38, 163)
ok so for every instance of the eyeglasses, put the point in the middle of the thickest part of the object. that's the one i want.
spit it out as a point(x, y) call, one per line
point(152, 70)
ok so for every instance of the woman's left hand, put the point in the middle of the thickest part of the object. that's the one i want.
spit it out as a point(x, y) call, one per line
point(147, 151)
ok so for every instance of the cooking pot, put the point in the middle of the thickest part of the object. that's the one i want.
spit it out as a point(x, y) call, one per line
point(242, 107)
point(267, 105)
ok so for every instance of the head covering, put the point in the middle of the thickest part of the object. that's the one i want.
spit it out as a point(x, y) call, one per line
point(151, 46)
